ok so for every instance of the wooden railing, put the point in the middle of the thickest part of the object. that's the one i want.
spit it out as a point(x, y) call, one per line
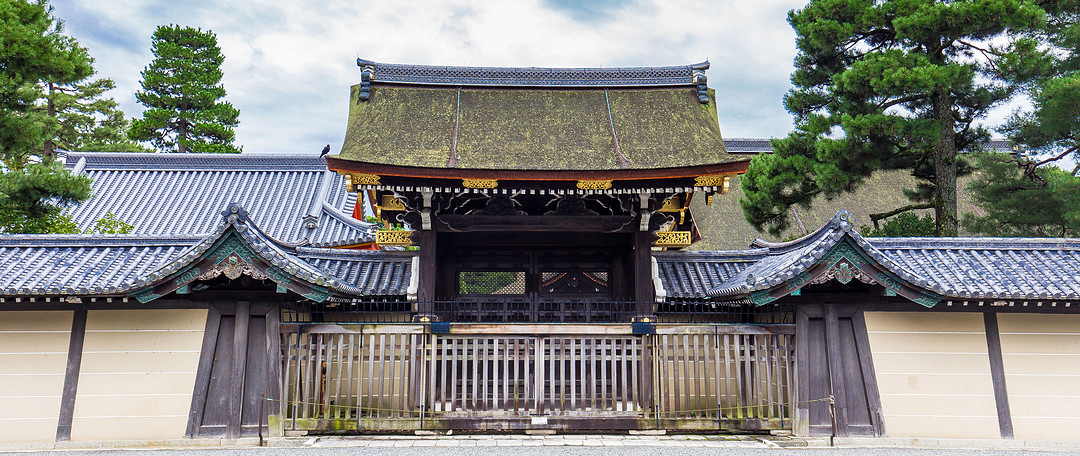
point(381, 377)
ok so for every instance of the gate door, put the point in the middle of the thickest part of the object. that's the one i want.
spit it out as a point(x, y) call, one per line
point(506, 376)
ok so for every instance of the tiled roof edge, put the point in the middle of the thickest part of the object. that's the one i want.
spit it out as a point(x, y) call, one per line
point(244, 161)
point(531, 76)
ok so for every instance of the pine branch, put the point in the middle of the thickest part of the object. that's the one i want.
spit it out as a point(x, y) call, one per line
point(910, 207)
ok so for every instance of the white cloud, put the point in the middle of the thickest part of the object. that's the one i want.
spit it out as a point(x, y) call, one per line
point(289, 64)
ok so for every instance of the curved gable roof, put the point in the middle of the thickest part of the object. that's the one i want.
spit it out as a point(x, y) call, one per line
point(836, 251)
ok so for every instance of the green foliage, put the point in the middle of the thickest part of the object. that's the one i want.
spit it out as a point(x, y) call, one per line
point(1020, 199)
point(110, 224)
point(889, 85)
point(905, 224)
point(1049, 72)
point(32, 198)
point(87, 120)
point(33, 53)
point(182, 92)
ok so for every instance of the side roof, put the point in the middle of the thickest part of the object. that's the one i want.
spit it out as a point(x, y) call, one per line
point(140, 265)
point(533, 118)
point(925, 270)
point(293, 198)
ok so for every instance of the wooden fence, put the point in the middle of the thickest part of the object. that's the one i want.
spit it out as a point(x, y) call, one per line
point(345, 377)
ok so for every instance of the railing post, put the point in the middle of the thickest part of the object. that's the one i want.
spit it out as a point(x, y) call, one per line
point(262, 400)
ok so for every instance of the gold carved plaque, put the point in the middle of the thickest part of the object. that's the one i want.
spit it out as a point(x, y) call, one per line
point(479, 183)
point(390, 203)
point(715, 180)
point(364, 179)
point(386, 237)
point(673, 239)
point(594, 184)
point(673, 204)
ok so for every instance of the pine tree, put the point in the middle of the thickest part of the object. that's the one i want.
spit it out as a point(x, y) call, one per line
point(889, 85)
point(183, 94)
point(1026, 194)
point(87, 120)
point(34, 52)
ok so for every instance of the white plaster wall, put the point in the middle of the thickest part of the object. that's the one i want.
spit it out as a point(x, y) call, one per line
point(33, 361)
point(1041, 354)
point(933, 372)
point(138, 373)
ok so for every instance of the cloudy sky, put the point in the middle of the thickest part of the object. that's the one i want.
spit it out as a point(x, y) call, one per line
point(289, 64)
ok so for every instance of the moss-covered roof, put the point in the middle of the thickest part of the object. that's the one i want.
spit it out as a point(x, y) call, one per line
point(723, 226)
point(514, 128)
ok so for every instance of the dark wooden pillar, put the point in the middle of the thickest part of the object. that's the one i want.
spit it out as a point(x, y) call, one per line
point(643, 286)
point(997, 374)
point(425, 292)
point(71, 376)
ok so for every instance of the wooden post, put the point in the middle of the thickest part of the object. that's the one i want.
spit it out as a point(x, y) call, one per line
point(425, 293)
point(643, 286)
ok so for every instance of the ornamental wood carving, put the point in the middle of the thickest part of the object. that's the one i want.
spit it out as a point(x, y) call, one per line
point(479, 183)
point(672, 239)
point(386, 237)
point(364, 179)
point(594, 184)
point(391, 203)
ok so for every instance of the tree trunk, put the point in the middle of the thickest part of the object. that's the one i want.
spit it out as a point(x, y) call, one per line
point(181, 136)
point(48, 151)
point(945, 215)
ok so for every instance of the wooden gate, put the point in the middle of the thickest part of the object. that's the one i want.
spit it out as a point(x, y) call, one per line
point(398, 377)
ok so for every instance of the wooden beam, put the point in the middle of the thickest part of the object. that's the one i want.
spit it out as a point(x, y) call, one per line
point(71, 376)
point(997, 374)
point(536, 223)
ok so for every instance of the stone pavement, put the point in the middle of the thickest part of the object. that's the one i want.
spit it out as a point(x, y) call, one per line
point(513, 440)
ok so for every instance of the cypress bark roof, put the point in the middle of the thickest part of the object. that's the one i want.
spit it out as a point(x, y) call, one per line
point(534, 118)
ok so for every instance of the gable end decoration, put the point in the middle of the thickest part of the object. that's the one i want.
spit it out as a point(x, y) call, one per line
point(836, 252)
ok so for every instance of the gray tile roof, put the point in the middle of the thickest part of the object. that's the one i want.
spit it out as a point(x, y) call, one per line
point(955, 268)
point(80, 265)
point(530, 76)
point(692, 274)
point(293, 198)
point(1008, 268)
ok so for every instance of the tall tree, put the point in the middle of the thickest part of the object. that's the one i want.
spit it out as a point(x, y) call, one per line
point(183, 94)
point(888, 85)
point(34, 52)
